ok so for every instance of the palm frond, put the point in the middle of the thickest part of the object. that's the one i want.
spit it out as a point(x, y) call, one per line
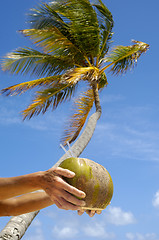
point(83, 106)
point(53, 42)
point(81, 18)
point(76, 74)
point(49, 98)
point(102, 82)
point(123, 58)
point(28, 60)
point(106, 24)
point(75, 19)
point(49, 39)
point(44, 16)
point(25, 86)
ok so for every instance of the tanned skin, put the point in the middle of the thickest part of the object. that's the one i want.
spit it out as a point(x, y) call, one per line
point(18, 194)
point(55, 191)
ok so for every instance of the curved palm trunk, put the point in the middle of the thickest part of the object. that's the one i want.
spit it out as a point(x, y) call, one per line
point(17, 226)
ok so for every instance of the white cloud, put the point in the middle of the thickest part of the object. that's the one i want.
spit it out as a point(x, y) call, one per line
point(96, 229)
point(116, 216)
point(155, 201)
point(71, 226)
point(130, 236)
point(111, 98)
point(10, 116)
point(139, 236)
point(65, 232)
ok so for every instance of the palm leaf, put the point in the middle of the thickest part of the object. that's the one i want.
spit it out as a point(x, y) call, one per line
point(53, 42)
point(76, 74)
point(123, 58)
point(23, 87)
point(106, 23)
point(83, 106)
point(44, 16)
point(49, 39)
point(76, 20)
point(27, 60)
point(102, 82)
point(47, 17)
point(50, 97)
point(83, 25)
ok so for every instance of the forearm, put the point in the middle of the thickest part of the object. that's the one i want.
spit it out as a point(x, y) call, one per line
point(26, 203)
point(14, 186)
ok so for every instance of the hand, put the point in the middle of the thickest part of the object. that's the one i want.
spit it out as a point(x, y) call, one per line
point(91, 213)
point(60, 192)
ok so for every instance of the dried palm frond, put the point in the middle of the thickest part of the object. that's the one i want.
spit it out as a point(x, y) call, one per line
point(83, 106)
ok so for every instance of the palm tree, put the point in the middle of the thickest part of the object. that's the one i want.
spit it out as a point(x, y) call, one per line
point(72, 40)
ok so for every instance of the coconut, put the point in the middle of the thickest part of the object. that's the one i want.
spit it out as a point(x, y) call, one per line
point(93, 179)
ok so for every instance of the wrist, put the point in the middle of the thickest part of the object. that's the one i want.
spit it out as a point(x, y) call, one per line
point(31, 181)
point(37, 180)
point(45, 178)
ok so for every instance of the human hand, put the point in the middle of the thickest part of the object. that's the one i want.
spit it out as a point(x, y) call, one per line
point(60, 192)
point(91, 213)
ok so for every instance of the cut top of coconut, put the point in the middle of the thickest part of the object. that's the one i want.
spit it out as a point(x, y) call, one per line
point(94, 209)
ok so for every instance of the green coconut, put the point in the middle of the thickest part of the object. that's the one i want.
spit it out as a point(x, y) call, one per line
point(93, 179)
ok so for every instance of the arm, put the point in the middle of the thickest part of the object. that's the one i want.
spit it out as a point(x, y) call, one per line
point(26, 203)
point(15, 186)
point(56, 191)
point(47, 180)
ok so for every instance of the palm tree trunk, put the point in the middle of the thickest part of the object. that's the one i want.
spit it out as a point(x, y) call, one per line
point(96, 97)
point(17, 226)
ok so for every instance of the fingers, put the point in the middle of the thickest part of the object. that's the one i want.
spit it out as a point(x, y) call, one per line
point(58, 204)
point(67, 173)
point(71, 199)
point(80, 212)
point(63, 204)
point(76, 192)
point(91, 213)
point(99, 212)
point(61, 193)
point(64, 172)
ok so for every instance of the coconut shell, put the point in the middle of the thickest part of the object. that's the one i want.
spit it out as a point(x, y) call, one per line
point(93, 179)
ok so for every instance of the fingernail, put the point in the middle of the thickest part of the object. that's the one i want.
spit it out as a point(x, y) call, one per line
point(83, 195)
point(83, 204)
point(98, 212)
point(71, 174)
point(91, 214)
point(80, 211)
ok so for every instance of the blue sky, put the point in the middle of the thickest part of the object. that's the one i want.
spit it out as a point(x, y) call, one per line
point(126, 139)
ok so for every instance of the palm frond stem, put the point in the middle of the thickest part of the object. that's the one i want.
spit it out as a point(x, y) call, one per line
point(134, 50)
point(109, 65)
point(88, 61)
point(98, 57)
